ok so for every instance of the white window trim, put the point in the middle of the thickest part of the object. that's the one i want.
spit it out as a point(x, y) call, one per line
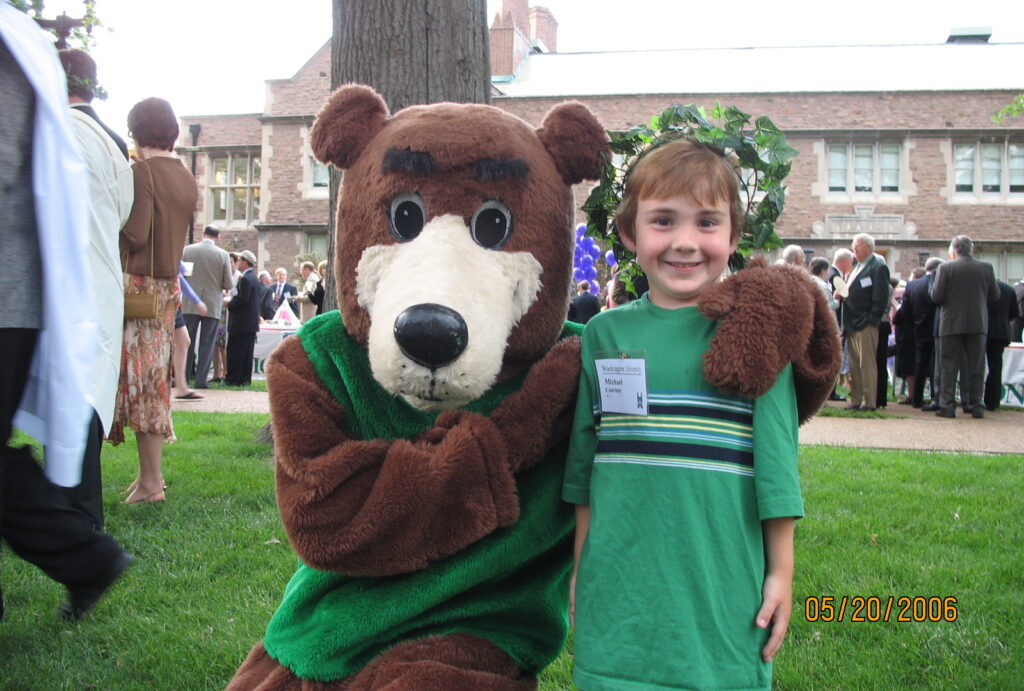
point(820, 188)
point(1002, 198)
point(305, 185)
point(211, 187)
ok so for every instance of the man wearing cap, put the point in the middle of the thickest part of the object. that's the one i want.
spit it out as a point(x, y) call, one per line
point(211, 273)
point(243, 322)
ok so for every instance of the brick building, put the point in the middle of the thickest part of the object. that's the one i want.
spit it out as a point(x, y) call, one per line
point(895, 141)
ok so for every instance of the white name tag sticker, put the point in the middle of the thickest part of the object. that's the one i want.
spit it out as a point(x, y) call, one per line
point(865, 282)
point(622, 383)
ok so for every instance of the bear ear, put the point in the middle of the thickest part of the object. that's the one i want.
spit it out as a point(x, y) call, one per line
point(354, 114)
point(576, 140)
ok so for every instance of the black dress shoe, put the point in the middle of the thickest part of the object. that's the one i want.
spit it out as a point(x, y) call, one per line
point(931, 407)
point(837, 397)
point(81, 600)
point(854, 406)
point(942, 412)
point(978, 413)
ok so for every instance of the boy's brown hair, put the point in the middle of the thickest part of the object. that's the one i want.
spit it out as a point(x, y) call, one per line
point(681, 167)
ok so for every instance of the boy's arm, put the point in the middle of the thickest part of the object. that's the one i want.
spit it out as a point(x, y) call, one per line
point(582, 528)
point(777, 593)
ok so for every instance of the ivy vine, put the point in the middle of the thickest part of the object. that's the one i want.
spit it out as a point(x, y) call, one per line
point(761, 151)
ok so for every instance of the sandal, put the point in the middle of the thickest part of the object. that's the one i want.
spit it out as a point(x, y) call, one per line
point(191, 396)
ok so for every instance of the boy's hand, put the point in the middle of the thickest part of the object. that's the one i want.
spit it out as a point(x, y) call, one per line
point(776, 609)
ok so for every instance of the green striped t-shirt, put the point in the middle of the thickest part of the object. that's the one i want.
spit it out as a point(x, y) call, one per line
point(670, 575)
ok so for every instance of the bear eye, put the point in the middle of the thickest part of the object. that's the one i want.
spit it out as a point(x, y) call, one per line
point(407, 216)
point(491, 225)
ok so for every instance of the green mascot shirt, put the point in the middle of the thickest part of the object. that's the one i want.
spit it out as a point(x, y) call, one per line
point(510, 588)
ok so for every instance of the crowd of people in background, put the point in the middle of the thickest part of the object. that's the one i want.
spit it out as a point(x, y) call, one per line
point(948, 325)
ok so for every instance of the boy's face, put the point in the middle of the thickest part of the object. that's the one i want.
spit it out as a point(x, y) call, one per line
point(683, 246)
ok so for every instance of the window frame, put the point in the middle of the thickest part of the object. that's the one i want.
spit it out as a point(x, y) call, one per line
point(229, 187)
point(852, 153)
point(1010, 166)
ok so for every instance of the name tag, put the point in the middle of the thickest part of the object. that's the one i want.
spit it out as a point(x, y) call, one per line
point(865, 282)
point(622, 383)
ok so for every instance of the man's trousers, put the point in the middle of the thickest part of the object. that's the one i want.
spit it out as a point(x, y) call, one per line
point(863, 366)
point(207, 329)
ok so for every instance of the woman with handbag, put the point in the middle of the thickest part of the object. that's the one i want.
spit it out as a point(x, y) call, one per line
point(151, 245)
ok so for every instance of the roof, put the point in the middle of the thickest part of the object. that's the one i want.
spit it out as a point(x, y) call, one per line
point(936, 67)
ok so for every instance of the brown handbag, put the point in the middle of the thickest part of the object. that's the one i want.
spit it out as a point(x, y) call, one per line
point(144, 305)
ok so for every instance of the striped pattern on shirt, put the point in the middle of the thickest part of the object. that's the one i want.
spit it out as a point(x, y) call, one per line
point(684, 429)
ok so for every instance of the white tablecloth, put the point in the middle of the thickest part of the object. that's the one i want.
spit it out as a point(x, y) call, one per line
point(1013, 375)
point(266, 340)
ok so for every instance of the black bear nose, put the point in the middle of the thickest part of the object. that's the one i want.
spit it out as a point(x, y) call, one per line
point(431, 335)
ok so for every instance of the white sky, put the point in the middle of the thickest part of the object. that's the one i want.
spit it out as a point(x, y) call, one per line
point(213, 56)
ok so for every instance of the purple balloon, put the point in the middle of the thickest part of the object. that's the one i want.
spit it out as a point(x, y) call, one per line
point(590, 273)
point(595, 252)
point(577, 274)
point(586, 261)
point(593, 286)
point(609, 258)
point(586, 243)
point(580, 230)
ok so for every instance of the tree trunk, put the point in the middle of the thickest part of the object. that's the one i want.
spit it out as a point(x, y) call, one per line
point(412, 53)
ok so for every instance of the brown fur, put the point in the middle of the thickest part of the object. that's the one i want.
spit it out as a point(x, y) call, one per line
point(768, 317)
point(353, 131)
point(438, 663)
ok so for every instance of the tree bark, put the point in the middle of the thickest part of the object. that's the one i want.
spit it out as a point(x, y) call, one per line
point(412, 53)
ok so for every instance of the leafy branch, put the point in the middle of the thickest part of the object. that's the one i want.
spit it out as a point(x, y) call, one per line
point(762, 153)
point(1014, 107)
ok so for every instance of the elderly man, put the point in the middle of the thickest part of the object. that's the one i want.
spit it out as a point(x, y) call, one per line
point(285, 291)
point(794, 256)
point(962, 289)
point(863, 309)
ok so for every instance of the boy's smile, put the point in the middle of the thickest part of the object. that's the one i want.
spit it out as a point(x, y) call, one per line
point(683, 246)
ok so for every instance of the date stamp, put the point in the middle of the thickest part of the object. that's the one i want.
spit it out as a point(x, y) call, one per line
point(858, 609)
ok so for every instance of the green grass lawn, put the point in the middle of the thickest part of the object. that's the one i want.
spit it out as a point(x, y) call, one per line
point(214, 560)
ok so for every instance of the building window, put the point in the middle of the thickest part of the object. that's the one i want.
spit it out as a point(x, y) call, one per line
point(988, 168)
point(320, 174)
point(235, 189)
point(317, 244)
point(864, 168)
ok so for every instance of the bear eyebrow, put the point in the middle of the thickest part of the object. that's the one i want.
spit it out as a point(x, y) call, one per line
point(488, 169)
point(408, 161)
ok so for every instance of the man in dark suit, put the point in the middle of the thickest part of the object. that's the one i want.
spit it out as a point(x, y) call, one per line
point(921, 310)
point(962, 288)
point(285, 291)
point(243, 322)
point(1000, 314)
point(83, 86)
point(585, 305)
point(863, 308)
point(266, 296)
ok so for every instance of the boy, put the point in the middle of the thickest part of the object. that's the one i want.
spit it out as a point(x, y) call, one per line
point(686, 497)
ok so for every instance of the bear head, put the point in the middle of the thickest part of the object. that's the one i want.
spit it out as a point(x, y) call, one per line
point(453, 253)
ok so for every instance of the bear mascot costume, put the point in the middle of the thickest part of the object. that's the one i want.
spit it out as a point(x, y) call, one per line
point(420, 432)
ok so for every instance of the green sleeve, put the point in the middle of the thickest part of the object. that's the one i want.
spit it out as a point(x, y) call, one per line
point(583, 441)
point(776, 481)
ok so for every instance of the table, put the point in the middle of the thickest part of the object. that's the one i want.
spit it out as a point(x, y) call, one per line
point(1013, 375)
point(269, 336)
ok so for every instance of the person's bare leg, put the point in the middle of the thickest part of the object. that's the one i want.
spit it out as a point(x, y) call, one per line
point(150, 484)
point(180, 350)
